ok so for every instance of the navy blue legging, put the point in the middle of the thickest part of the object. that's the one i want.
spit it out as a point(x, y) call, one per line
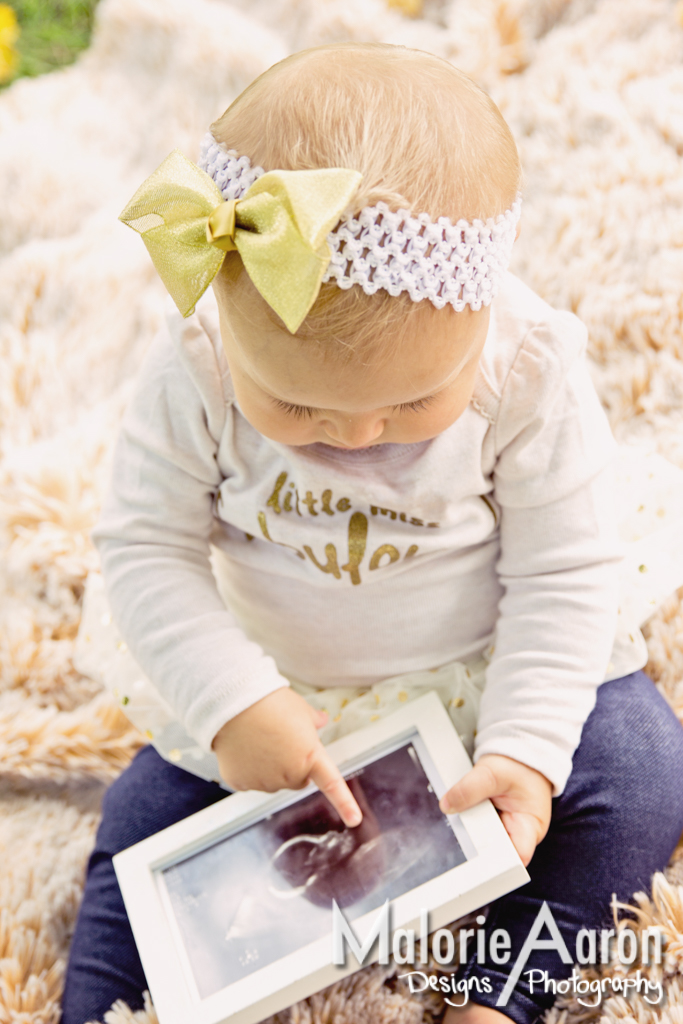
point(617, 821)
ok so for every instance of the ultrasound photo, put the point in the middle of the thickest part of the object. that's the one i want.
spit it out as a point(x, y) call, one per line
point(266, 891)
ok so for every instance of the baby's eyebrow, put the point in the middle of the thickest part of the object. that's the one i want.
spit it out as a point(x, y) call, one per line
point(430, 396)
point(416, 401)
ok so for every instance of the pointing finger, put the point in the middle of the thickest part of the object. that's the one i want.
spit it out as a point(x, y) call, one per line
point(331, 784)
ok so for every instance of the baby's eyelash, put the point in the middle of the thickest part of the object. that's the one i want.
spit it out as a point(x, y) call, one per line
point(421, 403)
point(301, 412)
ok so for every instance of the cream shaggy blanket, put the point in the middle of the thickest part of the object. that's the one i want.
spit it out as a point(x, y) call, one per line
point(593, 90)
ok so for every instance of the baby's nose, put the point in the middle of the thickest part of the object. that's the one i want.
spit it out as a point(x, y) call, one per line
point(357, 431)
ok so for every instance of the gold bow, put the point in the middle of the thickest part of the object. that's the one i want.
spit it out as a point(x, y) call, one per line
point(279, 229)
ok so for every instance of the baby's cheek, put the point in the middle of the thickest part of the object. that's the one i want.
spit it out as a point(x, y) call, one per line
point(425, 425)
point(276, 425)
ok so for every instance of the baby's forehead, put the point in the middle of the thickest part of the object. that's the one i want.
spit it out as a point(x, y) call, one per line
point(349, 327)
point(388, 366)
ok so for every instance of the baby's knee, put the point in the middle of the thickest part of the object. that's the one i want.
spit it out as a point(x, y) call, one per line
point(631, 751)
point(148, 796)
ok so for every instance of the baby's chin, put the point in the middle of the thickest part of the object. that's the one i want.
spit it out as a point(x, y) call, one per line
point(375, 446)
point(383, 441)
point(352, 447)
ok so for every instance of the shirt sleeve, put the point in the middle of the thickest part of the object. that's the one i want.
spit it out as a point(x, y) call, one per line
point(153, 539)
point(559, 556)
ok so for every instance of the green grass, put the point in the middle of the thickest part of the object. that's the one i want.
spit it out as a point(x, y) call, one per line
point(53, 33)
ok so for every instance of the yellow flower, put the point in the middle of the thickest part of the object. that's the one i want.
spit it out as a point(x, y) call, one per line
point(9, 33)
point(411, 8)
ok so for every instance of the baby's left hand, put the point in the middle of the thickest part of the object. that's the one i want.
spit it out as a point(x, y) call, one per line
point(521, 794)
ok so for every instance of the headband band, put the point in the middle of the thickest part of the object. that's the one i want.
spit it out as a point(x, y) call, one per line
point(459, 264)
point(292, 234)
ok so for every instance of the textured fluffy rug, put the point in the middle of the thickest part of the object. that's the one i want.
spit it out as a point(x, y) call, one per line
point(594, 92)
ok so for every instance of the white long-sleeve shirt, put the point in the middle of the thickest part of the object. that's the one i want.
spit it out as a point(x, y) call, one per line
point(348, 567)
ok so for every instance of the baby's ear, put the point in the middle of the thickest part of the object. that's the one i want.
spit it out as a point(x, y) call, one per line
point(518, 231)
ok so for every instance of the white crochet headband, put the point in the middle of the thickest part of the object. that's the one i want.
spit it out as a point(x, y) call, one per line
point(461, 264)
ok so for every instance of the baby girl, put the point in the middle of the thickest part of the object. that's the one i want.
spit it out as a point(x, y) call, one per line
point(393, 450)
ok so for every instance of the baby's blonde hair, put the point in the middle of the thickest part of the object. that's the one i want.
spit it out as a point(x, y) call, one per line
point(424, 136)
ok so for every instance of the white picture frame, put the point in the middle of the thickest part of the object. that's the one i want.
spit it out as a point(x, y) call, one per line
point(173, 908)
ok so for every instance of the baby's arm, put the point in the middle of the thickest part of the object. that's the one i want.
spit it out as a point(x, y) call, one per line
point(558, 565)
point(153, 539)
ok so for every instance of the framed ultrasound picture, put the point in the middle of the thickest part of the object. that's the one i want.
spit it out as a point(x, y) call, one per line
point(262, 899)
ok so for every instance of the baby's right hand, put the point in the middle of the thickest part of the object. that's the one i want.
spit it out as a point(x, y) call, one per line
point(273, 745)
point(521, 793)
